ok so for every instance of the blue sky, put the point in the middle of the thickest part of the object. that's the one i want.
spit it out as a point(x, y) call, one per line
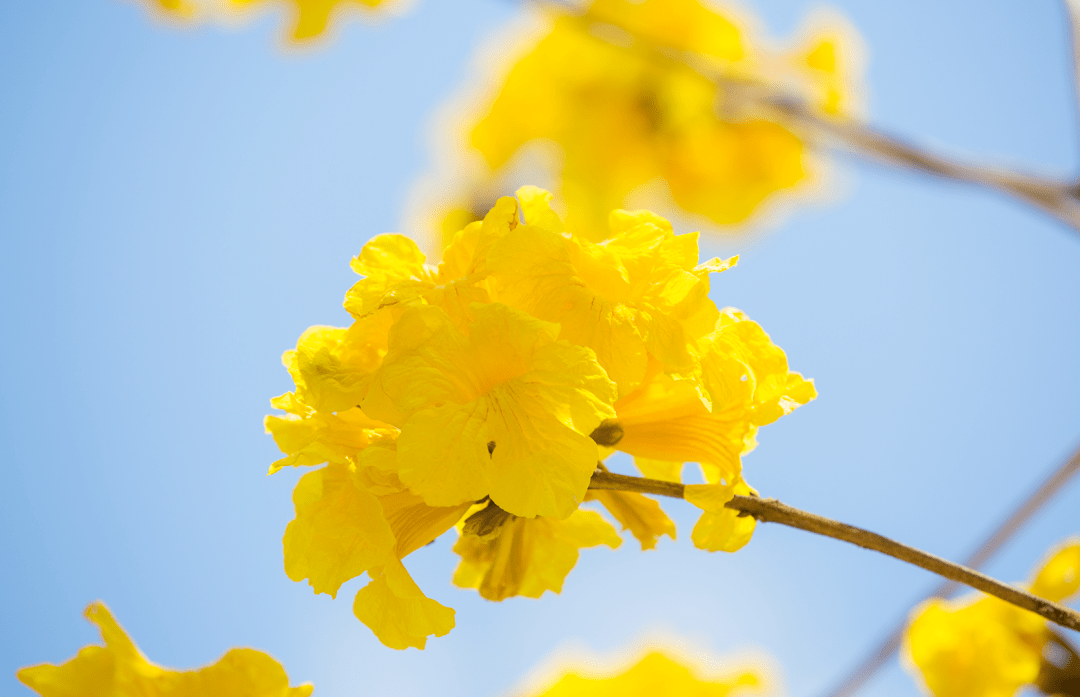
point(176, 206)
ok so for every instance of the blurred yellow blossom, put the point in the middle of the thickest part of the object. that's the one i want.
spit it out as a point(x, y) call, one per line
point(309, 19)
point(656, 675)
point(482, 393)
point(980, 646)
point(625, 112)
point(119, 669)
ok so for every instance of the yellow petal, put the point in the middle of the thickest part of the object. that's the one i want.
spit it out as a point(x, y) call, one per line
point(665, 470)
point(529, 556)
point(333, 367)
point(655, 675)
point(720, 529)
point(665, 421)
point(633, 296)
point(396, 610)
point(394, 274)
point(536, 208)
point(1059, 577)
point(503, 411)
point(239, 672)
point(973, 647)
point(339, 531)
point(119, 669)
point(639, 514)
point(319, 437)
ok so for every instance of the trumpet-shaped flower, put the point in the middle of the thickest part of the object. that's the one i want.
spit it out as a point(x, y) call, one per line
point(503, 411)
point(527, 556)
point(985, 647)
point(655, 675)
point(640, 293)
point(624, 112)
point(665, 422)
point(119, 669)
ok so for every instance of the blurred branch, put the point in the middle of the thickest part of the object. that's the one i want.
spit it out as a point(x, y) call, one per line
point(1055, 198)
point(1072, 18)
point(875, 659)
point(773, 511)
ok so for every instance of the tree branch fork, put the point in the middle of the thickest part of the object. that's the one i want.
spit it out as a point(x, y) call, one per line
point(773, 511)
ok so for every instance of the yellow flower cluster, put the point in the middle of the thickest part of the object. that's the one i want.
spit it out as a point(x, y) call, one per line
point(482, 393)
point(119, 669)
point(625, 112)
point(309, 18)
point(655, 675)
point(980, 646)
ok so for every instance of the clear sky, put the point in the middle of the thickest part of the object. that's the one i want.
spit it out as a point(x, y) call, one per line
point(176, 206)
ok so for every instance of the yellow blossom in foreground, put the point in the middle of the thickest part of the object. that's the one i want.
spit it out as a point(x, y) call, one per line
point(655, 675)
point(483, 392)
point(119, 669)
point(625, 113)
point(980, 646)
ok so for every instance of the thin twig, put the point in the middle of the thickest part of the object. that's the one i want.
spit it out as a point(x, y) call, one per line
point(1056, 198)
point(1072, 20)
point(773, 511)
point(875, 659)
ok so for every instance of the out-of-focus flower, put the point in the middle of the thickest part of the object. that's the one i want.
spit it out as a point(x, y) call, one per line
point(177, 9)
point(481, 393)
point(980, 646)
point(625, 112)
point(119, 669)
point(656, 675)
point(309, 19)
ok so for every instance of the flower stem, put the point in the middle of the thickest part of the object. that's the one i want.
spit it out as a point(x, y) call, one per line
point(773, 511)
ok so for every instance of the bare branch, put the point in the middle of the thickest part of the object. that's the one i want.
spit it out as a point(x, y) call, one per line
point(876, 658)
point(773, 511)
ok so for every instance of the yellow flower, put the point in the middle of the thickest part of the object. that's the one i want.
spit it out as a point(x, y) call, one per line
point(655, 675)
point(312, 17)
point(624, 114)
point(503, 411)
point(360, 518)
point(177, 9)
point(493, 380)
point(526, 556)
point(639, 293)
point(119, 669)
point(396, 276)
point(639, 514)
point(720, 529)
point(665, 422)
point(980, 646)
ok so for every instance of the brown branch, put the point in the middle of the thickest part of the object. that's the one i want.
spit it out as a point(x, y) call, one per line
point(889, 646)
point(773, 511)
point(1056, 198)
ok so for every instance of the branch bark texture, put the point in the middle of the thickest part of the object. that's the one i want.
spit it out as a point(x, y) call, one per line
point(773, 511)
